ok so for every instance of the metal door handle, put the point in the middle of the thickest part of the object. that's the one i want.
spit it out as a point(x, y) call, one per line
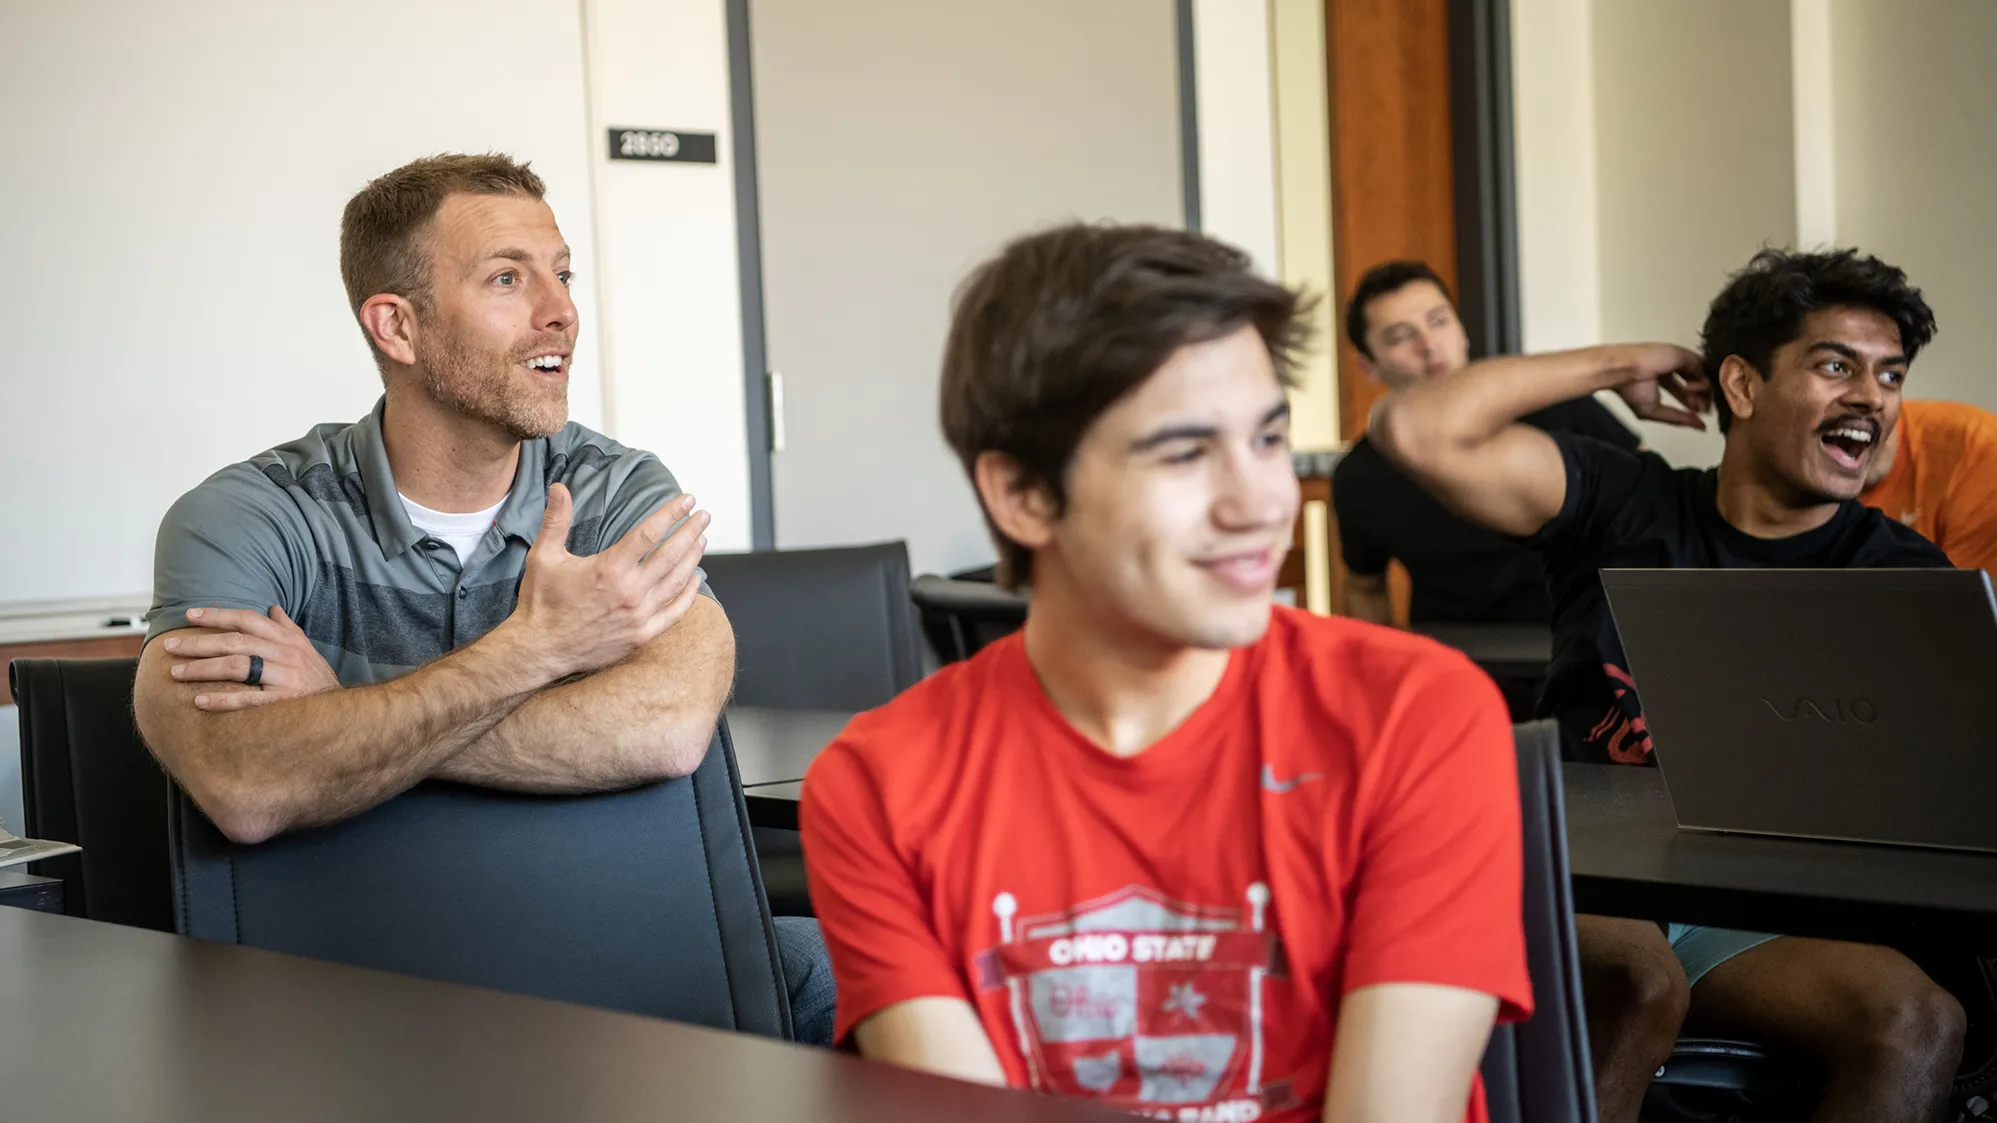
point(776, 411)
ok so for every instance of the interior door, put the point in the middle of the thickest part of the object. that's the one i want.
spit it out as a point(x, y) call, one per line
point(899, 142)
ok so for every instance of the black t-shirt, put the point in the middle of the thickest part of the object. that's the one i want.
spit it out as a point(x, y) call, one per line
point(1628, 510)
point(1462, 572)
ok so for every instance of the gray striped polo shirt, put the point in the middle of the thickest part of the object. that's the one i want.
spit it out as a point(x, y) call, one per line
point(317, 526)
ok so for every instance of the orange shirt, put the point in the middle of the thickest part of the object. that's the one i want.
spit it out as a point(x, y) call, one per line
point(1172, 933)
point(1944, 480)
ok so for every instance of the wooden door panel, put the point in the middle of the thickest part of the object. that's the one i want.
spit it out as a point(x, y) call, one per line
point(1393, 173)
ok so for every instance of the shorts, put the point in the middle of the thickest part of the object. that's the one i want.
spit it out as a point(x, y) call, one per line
point(1700, 949)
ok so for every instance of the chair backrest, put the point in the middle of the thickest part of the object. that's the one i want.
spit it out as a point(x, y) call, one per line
point(646, 900)
point(87, 778)
point(1538, 1071)
point(819, 629)
point(961, 617)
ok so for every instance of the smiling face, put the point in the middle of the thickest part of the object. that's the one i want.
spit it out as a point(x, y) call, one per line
point(1180, 500)
point(496, 339)
point(1831, 397)
point(1414, 335)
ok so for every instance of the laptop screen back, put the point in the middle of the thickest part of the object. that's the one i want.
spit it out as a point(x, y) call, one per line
point(1845, 704)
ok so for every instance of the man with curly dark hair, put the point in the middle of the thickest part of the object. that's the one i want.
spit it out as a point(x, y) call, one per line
point(1805, 356)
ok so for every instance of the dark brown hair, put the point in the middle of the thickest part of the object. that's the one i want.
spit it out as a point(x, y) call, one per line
point(1061, 324)
point(1385, 279)
point(384, 228)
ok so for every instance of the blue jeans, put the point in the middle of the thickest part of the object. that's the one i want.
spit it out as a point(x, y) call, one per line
point(808, 975)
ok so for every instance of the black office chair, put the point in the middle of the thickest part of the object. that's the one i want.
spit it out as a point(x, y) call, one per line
point(1541, 1070)
point(961, 617)
point(828, 629)
point(819, 629)
point(1710, 1078)
point(645, 900)
point(86, 778)
point(1538, 1071)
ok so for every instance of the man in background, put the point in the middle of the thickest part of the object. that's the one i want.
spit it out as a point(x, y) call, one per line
point(464, 584)
point(1938, 474)
point(1403, 323)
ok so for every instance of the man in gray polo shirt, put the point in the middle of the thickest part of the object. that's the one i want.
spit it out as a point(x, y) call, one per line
point(463, 584)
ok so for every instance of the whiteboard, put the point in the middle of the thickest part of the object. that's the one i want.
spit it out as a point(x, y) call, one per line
point(171, 180)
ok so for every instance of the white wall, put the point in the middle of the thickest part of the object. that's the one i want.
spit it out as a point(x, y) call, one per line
point(670, 295)
point(1553, 144)
point(1915, 155)
point(1265, 165)
point(1234, 88)
point(1868, 123)
point(1638, 193)
point(1813, 91)
point(1557, 180)
point(175, 174)
point(1695, 173)
point(181, 307)
point(900, 143)
point(1303, 188)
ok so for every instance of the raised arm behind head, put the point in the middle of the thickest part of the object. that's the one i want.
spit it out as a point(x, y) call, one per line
point(1460, 435)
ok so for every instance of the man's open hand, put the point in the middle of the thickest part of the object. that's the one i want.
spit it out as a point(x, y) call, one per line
point(585, 613)
point(292, 667)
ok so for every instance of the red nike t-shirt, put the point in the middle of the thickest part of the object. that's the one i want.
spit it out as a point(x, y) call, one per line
point(1172, 933)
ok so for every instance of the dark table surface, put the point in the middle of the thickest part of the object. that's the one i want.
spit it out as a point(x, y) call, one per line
point(28, 891)
point(776, 746)
point(1629, 858)
point(1511, 649)
point(774, 805)
point(102, 1022)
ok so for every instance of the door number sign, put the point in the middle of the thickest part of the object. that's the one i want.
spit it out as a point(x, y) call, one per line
point(662, 144)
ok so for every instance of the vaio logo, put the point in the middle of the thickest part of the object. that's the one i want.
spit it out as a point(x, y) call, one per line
point(1841, 711)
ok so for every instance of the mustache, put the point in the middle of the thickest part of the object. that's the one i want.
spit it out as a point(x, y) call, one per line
point(1851, 421)
point(548, 345)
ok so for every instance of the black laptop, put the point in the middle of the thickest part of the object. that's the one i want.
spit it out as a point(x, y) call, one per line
point(1856, 704)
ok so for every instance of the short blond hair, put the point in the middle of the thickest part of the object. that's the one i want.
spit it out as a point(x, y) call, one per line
point(383, 228)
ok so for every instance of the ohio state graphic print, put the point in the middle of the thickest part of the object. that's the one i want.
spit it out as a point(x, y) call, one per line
point(1151, 1004)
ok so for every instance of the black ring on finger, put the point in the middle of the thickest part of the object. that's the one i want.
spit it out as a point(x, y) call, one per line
point(255, 677)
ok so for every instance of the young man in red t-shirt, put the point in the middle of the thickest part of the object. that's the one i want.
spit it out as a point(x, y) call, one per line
point(1168, 847)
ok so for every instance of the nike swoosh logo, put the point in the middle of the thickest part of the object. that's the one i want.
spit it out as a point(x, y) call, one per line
point(1283, 787)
